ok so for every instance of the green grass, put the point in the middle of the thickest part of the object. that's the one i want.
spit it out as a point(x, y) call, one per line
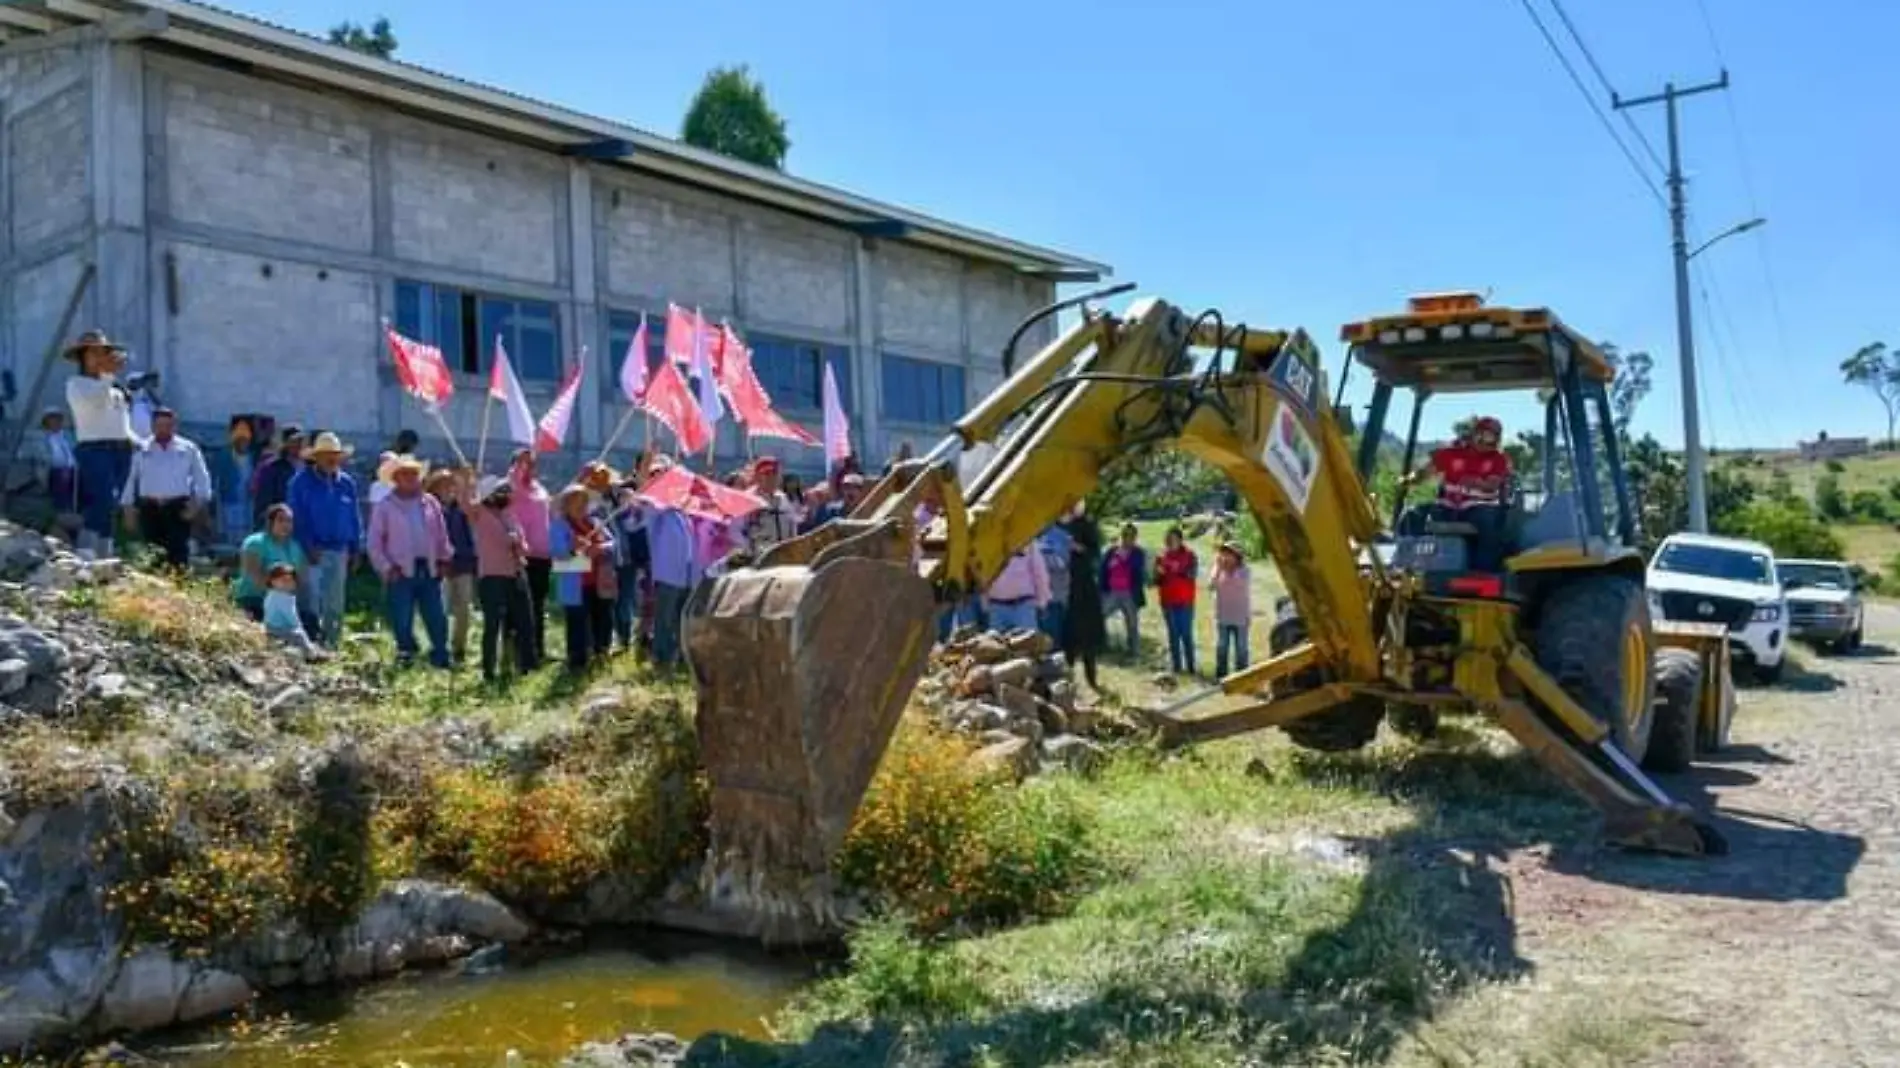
point(1870, 472)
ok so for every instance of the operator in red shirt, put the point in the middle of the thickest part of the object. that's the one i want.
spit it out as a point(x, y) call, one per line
point(1472, 475)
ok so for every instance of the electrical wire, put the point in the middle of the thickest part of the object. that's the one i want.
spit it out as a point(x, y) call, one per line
point(1748, 188)
point(1723, 341)
point(1608, 89)
point(1595, 109)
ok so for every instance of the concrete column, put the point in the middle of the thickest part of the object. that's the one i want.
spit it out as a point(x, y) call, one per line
point(867, 381)
point(120, 237)
point(586, 325)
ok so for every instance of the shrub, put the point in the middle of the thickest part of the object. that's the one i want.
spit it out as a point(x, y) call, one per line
point(946, 844)
point(1835, 467)
point(1867, 505)
point(536, 840)
point(894, 976)
point(1828, 498)
point(1789, 530)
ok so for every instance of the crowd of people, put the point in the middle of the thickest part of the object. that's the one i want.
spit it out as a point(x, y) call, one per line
point(446, 542)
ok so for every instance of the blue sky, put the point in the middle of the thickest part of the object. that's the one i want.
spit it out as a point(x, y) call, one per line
point(1311, 163)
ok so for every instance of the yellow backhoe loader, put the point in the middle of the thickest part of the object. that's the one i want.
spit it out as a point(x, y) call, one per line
point(805, 657)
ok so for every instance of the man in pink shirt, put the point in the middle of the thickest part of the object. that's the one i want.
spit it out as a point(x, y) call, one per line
point(530, 508)
point(1018, 595)
point(409, 547)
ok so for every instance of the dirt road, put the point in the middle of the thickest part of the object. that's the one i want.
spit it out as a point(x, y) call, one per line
point(1785, 952)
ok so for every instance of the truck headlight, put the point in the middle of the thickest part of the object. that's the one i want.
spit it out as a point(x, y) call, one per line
point(1767, 613)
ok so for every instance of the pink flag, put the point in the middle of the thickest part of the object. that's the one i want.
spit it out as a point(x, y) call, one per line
point(420, 368)
point(669, 401)
point(633, 370)
point(682, 334)
point(506, 388)
point(709, 405)
point(837, 427)
point(552, 433)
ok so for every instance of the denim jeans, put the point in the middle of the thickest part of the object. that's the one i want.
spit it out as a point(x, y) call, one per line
point(1180, 623)
point(403, 598)
point(1055, 618)
point(1232, 636)
point(103, 468)
point(669, 605)
point(324, 586)
point(1123, 605)
point(627, 607)
point(1005, 618)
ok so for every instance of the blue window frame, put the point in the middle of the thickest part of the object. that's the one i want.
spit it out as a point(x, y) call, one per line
point(793, 371)
point(464, 326)
point(921, 391)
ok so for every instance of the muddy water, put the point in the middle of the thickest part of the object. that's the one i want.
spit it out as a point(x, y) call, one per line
point(540, 1009)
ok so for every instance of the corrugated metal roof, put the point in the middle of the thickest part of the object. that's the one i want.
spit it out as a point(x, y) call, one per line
point(263, 44)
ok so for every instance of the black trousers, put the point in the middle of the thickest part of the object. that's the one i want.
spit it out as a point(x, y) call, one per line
point(163, 524)
point(505, 610)
point(540, 569)
point(590, 630)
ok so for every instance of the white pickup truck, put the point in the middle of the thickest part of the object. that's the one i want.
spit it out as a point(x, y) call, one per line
point(1701, 578)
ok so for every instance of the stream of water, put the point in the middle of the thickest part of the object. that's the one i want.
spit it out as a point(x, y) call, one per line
point(541, 1009)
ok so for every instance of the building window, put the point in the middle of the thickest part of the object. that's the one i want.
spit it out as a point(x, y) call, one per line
point(921, 391)
point(464, 325)
point(793, 371)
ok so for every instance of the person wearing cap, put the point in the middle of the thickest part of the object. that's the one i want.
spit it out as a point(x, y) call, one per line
point(633, 561)
point(409, 547)
point(587, 584)
point(166, 488)
point(500, 551)
point(270, 483)
point(1232, 586)
point(778, 520)
point(329, 526)
point(102, 428)
point(531, 509)
point(57, 452)
point(458, 581)
point(231, 471)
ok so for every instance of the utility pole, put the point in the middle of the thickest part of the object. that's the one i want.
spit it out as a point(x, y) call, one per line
point(1685, 330)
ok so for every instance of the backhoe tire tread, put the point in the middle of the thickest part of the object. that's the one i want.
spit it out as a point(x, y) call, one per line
point(1672, 737)
point(1349, 726)
point(1580, 636)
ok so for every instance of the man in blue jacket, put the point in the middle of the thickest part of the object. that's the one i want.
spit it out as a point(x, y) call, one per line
point(329, 526)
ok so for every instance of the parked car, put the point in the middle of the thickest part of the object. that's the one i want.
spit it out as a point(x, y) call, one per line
point(1700, 578)
point(1824, 607)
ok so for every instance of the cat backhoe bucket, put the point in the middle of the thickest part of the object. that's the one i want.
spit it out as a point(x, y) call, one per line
point(803, 671)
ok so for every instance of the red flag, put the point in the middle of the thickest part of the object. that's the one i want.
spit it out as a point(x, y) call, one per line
point(682, 334)
point(552, 433)
point(750, 402)
point(420, 368)
point(673, 404)
point(679, 488)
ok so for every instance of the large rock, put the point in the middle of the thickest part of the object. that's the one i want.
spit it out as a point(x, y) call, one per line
point(146, 994)
point(1015, 756)
point(656, 1050)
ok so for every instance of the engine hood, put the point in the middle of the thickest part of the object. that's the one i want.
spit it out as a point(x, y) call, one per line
point(1679, 582)
point(1818, 595)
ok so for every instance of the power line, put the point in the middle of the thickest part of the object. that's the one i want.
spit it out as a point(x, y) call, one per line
point(1577, 80)
point(1603, 79)
point(1716, 311)
point(1748, 187)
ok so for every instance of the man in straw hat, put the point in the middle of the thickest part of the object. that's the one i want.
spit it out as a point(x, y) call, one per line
point(409, 547)
point(501, 550)
point(167, 488)
point(323, 499)
point(102, 427)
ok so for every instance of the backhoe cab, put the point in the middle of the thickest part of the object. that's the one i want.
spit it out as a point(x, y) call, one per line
point(805, 658)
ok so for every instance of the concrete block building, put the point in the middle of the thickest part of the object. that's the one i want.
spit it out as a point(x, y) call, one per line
point(256, 201)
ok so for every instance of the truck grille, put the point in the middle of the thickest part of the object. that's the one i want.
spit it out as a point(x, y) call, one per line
point(1687, 608)
point(1801, 613)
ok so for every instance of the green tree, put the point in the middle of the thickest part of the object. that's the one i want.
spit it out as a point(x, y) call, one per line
point(731, 116)
point(1876, 369)
point(376, 41)
point(1788, 529)
point(1631, 385)
point(1153, 483)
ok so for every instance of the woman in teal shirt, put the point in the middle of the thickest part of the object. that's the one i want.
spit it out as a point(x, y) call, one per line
point(262, 551)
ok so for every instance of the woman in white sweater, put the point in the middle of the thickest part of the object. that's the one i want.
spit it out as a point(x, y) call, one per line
point(102, 427)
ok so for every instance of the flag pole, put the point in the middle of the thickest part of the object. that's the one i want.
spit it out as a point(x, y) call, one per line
point(447, 433)
point(488, 409)
point(619, 428)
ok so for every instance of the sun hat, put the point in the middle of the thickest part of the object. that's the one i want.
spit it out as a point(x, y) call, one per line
point(91, 339)
point(395, 463)
point(328, 444)
point(491, 485)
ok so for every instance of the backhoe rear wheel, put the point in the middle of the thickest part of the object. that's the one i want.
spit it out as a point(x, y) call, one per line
point(1351, 725)
point(1594, 639)
point(1672, 740)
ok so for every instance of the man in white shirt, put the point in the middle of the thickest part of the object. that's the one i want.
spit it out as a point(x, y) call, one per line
point(778, 520)
point(168, 486)
point(102, 427)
